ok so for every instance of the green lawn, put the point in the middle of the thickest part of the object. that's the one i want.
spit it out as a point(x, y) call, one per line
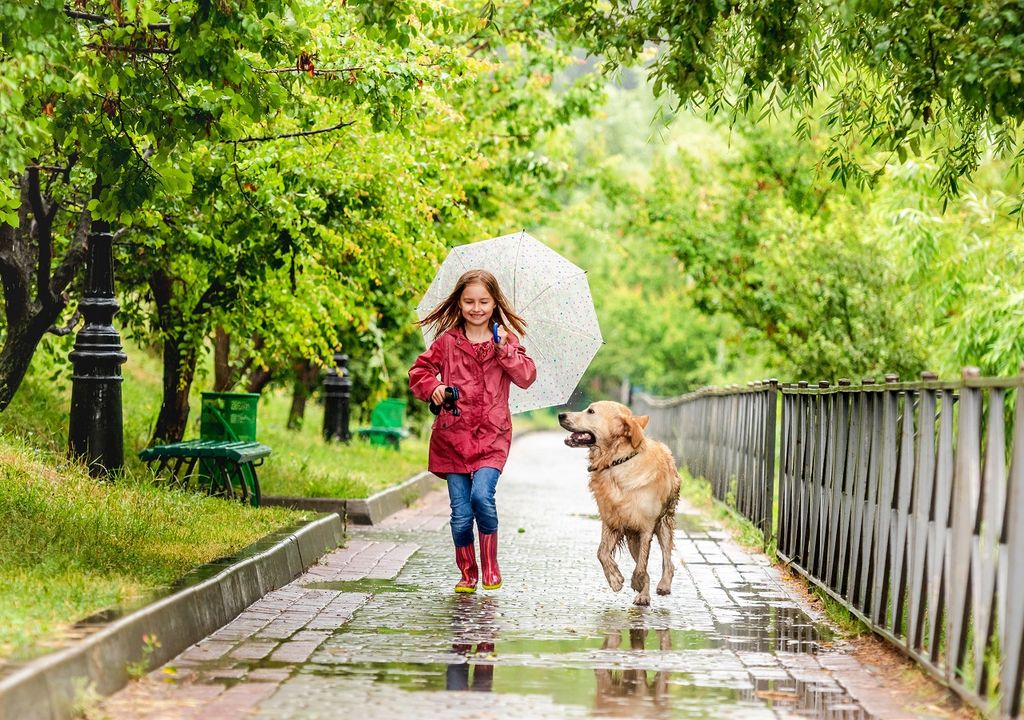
point(73, 546)
point(301, 463)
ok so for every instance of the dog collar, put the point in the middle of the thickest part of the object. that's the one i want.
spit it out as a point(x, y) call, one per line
point(613, 463)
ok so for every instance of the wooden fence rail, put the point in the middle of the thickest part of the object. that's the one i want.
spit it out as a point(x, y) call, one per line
point(903, 501)
point(726, 435)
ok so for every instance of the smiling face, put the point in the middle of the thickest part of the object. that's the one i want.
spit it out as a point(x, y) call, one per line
point(477, 305)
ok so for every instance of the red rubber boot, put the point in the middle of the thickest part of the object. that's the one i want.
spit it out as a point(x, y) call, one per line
point(489, 561)
point(465, 558)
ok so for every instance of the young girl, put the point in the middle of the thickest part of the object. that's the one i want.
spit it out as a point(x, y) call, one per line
point(469, 449)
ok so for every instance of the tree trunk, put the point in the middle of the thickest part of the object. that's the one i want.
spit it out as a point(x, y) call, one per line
point(223, 378)
point(179, 371)
point(307, 375)
point(259, 378)
point(179, 365)
point(34, 290)
point(20, 345)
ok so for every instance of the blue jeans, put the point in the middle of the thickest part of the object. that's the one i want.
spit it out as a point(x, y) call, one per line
point(472, 496)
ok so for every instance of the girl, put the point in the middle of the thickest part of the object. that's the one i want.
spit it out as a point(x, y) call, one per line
point(469, 449)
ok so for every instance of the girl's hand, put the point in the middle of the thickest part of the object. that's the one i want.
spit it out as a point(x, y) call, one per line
point(438, 395)
point(502, 334)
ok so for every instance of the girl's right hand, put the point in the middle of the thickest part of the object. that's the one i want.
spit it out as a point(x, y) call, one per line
point(438, 395)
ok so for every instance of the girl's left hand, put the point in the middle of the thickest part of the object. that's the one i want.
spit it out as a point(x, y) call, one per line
point(502, 334)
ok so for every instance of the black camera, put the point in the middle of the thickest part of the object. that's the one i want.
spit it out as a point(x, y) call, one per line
point(451, 396)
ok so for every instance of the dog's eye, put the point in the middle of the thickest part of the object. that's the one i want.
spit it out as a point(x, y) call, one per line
point(590, 411)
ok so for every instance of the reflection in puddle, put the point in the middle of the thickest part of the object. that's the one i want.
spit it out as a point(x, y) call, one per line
point(366, 585)
point(622, 672)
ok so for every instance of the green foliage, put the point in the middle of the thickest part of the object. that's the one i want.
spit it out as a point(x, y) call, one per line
point(655, 335)
point(938, 79)
point(790, 259)
point(290, 171)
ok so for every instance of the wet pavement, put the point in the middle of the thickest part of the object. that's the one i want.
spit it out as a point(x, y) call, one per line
point(375, 629)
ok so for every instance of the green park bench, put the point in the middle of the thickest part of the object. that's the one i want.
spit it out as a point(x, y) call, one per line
point(387, 421)
point(223, 461)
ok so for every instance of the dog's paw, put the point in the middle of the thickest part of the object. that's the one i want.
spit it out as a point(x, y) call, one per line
point(642, 599)
point(615, 582)
point(638, 582)
point(666, 590)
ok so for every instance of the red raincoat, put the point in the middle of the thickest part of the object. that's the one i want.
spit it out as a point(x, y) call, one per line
point(482, 433)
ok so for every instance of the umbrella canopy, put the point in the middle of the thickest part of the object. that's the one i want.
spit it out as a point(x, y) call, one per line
point(549, 292)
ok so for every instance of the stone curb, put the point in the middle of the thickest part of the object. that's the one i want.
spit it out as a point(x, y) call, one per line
point(362, 511)
point(47, 688)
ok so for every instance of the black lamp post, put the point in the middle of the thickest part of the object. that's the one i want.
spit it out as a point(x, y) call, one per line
point(96, 431)
point(337, 388)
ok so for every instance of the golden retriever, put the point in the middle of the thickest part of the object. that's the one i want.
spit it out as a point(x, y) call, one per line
point(636, 486)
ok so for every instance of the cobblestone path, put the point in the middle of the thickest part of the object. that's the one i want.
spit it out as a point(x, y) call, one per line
point(375, 630)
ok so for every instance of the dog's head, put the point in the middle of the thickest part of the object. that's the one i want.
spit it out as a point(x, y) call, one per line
point(603, 424)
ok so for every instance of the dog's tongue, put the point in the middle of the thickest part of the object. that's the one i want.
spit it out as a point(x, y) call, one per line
point(579, 438)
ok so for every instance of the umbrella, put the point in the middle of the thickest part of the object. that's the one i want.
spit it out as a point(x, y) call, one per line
point(549, 292)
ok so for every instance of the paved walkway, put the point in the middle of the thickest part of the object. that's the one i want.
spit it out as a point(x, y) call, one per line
point(375, 631)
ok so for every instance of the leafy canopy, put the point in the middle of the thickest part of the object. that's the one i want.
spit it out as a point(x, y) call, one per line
point(940, 78)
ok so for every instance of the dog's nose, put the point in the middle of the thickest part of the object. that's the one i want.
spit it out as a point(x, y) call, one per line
point(561, 416)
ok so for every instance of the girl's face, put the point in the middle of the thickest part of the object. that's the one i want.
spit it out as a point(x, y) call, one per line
point(476, 304)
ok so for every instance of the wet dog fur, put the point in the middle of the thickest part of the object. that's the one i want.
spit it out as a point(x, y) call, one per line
point(636, 498)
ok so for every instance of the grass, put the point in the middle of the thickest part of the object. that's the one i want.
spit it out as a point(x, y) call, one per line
point(73, 546)
point(301, 463)
point(697, 492)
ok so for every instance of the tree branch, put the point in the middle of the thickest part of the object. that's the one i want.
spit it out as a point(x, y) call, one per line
point(103, 19)
point(128, 49)
point(67, 329)
point(77, 249)
point(316, 71)
point(304, 133)
point(43, 225)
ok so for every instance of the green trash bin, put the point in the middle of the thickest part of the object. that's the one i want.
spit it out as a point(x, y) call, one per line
point(228, 416)
point(389, 413)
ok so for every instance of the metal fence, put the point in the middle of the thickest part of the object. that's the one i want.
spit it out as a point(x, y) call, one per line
point(903, 501)
point(726, 435)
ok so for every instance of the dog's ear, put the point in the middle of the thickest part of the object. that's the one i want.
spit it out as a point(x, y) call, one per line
point(642, 420)
point(635, 429)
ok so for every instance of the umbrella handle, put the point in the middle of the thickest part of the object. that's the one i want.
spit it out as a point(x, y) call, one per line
point(494, 331)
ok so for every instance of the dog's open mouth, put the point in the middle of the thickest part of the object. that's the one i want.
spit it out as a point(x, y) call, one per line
point(580, 439)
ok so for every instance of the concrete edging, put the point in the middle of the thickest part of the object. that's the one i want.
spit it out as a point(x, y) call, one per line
point(362, 511)
point(48, 688)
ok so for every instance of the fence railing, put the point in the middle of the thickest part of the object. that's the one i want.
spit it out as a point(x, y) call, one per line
point(726, 435)
point(903, 501)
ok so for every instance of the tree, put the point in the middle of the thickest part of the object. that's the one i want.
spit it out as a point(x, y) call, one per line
point(939, 78)
point(291, 241)
point(96, 109)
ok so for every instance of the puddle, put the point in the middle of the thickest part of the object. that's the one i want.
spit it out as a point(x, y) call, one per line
point(691, 523)
point(365, 586)
point(705, 692)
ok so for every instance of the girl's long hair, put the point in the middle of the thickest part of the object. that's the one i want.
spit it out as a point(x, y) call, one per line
point(448, 314)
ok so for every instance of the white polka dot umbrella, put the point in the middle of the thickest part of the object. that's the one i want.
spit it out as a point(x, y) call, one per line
point(549, 292)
